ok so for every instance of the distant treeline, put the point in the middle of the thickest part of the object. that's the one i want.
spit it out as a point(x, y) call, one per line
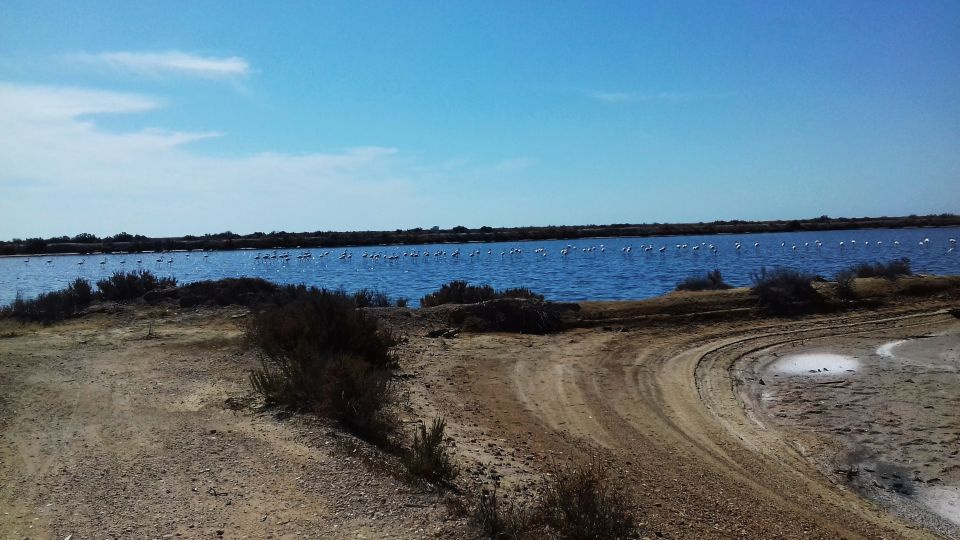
point(89, 243)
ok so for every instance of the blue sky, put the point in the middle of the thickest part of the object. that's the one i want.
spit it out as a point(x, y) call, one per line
point(169, 118)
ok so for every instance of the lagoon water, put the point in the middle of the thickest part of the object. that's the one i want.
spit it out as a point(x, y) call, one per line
point(587, 272)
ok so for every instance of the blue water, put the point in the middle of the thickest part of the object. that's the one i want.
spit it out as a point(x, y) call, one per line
point(587, 272)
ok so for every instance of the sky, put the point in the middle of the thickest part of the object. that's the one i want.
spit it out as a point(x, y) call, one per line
point(169, 118)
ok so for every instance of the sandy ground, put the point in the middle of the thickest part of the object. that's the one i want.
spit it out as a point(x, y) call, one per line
point(138, 424)
point(122, 426)
point(886, 423)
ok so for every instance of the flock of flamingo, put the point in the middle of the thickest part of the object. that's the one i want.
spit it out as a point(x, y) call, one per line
point(567, 250)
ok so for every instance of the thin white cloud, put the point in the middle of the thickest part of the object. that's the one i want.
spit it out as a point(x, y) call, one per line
point(38, 103)
point(515, 164)
point(61, 172)
point(168, 63)
point(630, 97)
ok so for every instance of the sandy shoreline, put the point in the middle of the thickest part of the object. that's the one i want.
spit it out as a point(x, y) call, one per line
point(139, 421)
point(889, 424)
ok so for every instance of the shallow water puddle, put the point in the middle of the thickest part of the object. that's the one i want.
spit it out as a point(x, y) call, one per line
point(886, 350)
point(942, 500)
point(815, 364)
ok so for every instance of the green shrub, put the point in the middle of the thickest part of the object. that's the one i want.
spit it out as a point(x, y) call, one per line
point(124, 287)
point(323, 355)
point(711, 282)
point(52, 306)
point(427, 457)
point(785, 292)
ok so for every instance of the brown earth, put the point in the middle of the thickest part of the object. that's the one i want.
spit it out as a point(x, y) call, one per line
point(138, 422)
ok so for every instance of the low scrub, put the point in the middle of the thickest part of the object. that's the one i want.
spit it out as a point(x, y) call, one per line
point(343, 387)
point(584, 502)
point(127, 286)
point(785, 292)
point(713, 281)
point(244, 291)
point(52, 306)
point(511, 315)
point(498, 518)
point(460, 292)
point(577, 503)
point(890, 270)
point(428, 457)
point(322, 354)
point(371, 298)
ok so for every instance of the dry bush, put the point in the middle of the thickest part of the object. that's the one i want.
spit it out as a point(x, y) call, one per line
point(323, 355)
point(584, 502)
point(127, 286)
point(512, 315)
point(371, 298)
point(460, 292)
point(711, 282)
point(891, 270)
point(244, 291)
point(304, 322)
point(500, 519)
point(52, 306)
point(785, 292)
point(578, 503)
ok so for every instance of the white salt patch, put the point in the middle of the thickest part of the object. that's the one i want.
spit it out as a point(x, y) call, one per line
point(942, 500)
point(815, 364)
point(886, 350)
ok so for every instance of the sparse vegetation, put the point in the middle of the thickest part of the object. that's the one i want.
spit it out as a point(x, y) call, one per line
point(785, 292)
point(460, 292)
point(244, 291)
point(428, 457)
point(577, 503)
point(500, 519)
point(481, 308)
point(127, 286)
point(323, 355)
point(891, 270)
point(371, 298)
point(711, 282)
point(52, 306)
point(584, 502)
point(511, 315)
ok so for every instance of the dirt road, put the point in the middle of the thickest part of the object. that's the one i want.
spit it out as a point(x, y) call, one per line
point(137, 423)
point(663, 407)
